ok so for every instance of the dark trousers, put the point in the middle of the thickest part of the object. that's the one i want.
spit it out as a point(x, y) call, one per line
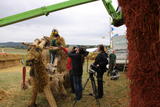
point(100, 84)
point(77, 81)
point(71, 81)
point(111, 67)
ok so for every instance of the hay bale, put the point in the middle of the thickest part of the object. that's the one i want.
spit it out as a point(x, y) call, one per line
point(3, 94)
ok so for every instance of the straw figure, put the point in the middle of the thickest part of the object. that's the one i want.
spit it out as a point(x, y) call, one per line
point(43, 77)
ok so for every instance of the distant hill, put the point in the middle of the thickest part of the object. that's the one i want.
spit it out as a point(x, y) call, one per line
point(17, 45)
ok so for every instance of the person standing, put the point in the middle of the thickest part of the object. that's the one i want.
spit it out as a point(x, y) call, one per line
point(112, 62)
point(100, 63)
point(55, 41)
point(77, 57)
point(71, 71)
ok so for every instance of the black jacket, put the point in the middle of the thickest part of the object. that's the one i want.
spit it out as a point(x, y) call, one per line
point(101, 60)
point(77, 63)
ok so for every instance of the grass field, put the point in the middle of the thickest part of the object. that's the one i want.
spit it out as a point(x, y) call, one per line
point(11, 95)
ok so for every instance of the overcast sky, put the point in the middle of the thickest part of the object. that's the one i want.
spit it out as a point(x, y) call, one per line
point(87, 24)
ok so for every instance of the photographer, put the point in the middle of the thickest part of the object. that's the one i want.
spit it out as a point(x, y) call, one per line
point(100, 64)
point(77, 57)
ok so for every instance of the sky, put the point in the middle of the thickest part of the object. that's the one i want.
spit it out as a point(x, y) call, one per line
point(87, 24)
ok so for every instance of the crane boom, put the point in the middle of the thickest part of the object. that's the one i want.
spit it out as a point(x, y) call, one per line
point(116, 16)
point(41, 11)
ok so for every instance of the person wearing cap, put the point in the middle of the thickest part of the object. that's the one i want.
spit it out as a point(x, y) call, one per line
point(55, 41)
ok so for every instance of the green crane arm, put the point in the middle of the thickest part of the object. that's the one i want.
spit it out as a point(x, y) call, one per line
point(41, 11)
point(116, 16)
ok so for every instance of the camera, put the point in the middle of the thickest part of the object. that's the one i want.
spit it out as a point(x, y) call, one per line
point(83, 52)
point(93, 69)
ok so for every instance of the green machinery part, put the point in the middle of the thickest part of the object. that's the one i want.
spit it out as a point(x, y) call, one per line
point(117, 17)
point(55, 7)
point(41, 11)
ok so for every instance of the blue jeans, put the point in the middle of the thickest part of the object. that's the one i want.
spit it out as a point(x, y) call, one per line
point(71, 80)
point(52, 56)
point(77, 81)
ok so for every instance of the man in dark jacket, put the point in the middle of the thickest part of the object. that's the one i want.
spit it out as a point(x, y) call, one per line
point(77, 57)
point(101, 62)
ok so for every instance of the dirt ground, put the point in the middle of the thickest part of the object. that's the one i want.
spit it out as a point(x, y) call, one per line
point(11, 95)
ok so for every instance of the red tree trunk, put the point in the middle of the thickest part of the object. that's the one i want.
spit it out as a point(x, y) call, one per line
point(142, 21)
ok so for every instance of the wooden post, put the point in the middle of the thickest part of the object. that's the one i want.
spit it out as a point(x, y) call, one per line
point(49, 96)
